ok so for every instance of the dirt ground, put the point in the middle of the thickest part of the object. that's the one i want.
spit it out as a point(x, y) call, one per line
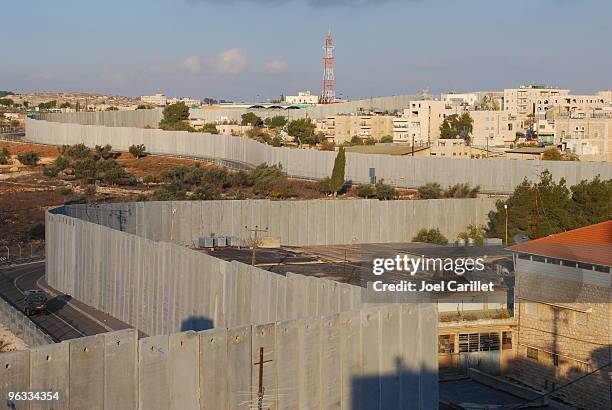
point(25, 193)
point(10, 342)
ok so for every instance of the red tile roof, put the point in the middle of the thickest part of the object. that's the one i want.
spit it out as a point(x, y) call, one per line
point(589, 244)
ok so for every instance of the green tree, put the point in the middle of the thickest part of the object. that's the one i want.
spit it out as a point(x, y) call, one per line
point(278, 121)
point(386, 139)
point(138, 151)
point(385, 192)
point(430, 236)
point(65, 105)
point(303, 131)
point(366, 191)
point(462, 191)
point(104, 152)
point(431, 190)
point(112, 108)
point(210, 128)
point(337, 176)
point(269, 181)
point(29, 158)
point(538, 209)
point(473, 232)
point(327, 145)
point(7, 102)
point(250, 118)
point(175, 117)
point(47, 105)
point(456, 126)
point(591, 201)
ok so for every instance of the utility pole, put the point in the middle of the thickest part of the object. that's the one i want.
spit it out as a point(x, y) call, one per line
point(255, 240)
point(261, 389)
point(506, 208)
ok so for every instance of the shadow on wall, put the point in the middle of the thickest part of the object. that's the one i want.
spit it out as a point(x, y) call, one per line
point(585, 386)
point(197, 323)
point(57, 303)
point(402, 389)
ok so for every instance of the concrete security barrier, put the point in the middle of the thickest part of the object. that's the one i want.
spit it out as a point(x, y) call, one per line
point(492, 175)
point(21, 326)
point(369, 358)
point(144, 274)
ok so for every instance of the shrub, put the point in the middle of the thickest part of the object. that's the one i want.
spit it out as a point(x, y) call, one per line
point(29, 158)
point(327, 145)
point(205, 193)
point(169, 194)
point(385, 191)
point(64, 190)
point(270, 181)
point(430, 236)
point(138, 151)
point(366, 191)
point(431, 190)
point(387, 139)
point(5, 156)
point(462, 191)
point(36, 232)
point(116, 175)
point(324, 186)
point(148, 179)
point(75, 151)
point(90, 190)
point(473, 232)
point(50, 171)
point(210, 128)
point(104, 152)
point(141, 198)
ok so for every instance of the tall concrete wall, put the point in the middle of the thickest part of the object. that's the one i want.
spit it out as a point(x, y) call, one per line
point(296, 223)
point(136, 118)
point(493, 175)
point(161, 287)
point(21, 326)
point(375, 358)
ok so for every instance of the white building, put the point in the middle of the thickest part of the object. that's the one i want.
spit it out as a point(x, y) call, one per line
point(157, 99)
point(303, 97)
point(189, 102)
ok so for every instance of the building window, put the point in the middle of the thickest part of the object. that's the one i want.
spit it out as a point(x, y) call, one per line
point(489, 342)
point(506, 340)
point(580, 318)
point(531, 309)
point(532, 353)
point(446, 344)
point(468, 342)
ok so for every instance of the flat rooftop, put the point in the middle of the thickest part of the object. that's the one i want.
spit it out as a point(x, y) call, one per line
point(345, 263)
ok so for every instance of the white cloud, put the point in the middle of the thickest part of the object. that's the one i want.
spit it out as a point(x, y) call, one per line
point(231, 61)
point(276, 67)
point(192, 65)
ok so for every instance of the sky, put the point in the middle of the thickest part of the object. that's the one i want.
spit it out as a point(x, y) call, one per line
point(259, 49)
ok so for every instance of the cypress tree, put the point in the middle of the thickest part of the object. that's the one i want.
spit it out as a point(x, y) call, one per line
point(337, 176)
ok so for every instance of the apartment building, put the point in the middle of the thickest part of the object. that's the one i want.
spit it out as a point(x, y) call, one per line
point(189, 102)
point(421, 123)
point(585, 134)
point(523, 101)
point(571, 103)
point(344, 127)
point(495, 128)
point(563, 292)
point(303, 97)
point(157, 99)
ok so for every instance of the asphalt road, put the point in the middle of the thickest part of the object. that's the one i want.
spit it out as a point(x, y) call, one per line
point(65, 318)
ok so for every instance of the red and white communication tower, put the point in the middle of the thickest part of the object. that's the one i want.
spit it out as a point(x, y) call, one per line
point(328, 95)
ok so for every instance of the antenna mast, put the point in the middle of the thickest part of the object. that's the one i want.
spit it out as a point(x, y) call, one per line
point(328, 95)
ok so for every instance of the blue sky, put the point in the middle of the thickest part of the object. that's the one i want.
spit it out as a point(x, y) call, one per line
point(245, 49)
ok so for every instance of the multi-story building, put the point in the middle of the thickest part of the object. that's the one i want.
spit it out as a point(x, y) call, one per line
point(157, 99)
point(523, 101)
point(564, 315)
point(344, 127)
point(571, 103)
point(421, 123)
point(585, 134)
point(495, 128)
point(189, 102)
point(303, 97)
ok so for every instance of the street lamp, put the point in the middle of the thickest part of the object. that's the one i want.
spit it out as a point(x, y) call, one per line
point(506, 208)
